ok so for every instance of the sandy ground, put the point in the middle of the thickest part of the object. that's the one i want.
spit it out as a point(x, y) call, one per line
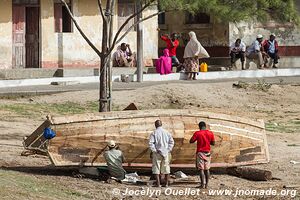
point(279, 106)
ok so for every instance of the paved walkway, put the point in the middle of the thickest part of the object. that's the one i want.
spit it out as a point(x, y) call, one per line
point(48, 89)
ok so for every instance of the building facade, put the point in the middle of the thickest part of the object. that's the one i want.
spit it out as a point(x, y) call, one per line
point(216, 37)
point(212, 34)
point(41, 34)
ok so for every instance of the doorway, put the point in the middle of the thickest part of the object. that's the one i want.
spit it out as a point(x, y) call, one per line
point(26, 32)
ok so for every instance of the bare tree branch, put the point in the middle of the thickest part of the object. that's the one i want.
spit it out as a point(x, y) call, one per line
point(125, 23)
point(132, 26)
point(80, 30)
point(101, 9)
point(110, 35)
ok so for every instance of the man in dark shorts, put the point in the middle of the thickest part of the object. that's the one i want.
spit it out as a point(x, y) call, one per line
point(237, 51)
point(204, 139)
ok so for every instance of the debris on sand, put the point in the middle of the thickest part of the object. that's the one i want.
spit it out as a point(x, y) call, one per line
point(261, 85)
point(294, 162)
point(180, 174)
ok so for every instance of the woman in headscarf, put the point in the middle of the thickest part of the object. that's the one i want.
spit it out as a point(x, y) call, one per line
point(164, 63)
point(192, 52)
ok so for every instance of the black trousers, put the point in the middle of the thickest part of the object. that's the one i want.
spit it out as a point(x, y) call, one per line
point(235, 56)
point(274, 56)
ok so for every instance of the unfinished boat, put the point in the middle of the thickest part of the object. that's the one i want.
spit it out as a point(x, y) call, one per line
point(81, 139)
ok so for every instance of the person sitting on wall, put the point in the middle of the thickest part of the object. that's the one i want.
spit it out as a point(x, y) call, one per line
point(123, 57)
point(237, 51)
point(256, 51)
point(164, 63)
point(271, 47)
point(172, 44)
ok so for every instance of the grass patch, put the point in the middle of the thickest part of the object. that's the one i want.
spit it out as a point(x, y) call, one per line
point(115, 107)
point(292, 126)
point(293, 145)
point(261, 85)
point(16, 185)
point(32, 110)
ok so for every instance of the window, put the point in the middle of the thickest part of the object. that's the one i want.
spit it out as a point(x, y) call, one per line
point(162, 18)
point(125, 9)
point(63, 21)
point(199, 18)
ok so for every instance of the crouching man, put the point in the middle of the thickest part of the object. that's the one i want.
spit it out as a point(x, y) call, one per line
point(161, 144)
point(204, 139)
point(114, 159)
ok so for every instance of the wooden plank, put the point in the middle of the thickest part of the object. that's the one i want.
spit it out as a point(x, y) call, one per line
point(155, 113)
point(80, 137)
point(39, 131)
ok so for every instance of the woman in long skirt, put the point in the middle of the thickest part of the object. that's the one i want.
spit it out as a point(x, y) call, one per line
point(192, 53)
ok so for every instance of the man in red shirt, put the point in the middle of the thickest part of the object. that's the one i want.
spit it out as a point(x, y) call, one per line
point(172, 44)
point(271, 48)
point(204, 139)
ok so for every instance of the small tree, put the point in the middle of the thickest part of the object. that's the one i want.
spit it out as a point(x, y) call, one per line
point(223, 10)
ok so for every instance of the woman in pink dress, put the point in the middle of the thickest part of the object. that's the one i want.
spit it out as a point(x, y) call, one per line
point(164, 63)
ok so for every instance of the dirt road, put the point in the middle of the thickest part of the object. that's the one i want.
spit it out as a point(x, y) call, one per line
point(277, 104)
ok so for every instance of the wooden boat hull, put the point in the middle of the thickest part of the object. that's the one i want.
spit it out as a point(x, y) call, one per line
point(81, 139)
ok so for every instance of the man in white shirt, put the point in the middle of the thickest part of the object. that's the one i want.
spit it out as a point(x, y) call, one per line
point(161, 144)
point(237, 51)
point(256, 51)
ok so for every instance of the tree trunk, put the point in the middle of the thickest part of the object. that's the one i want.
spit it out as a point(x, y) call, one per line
point(140, 46)
point(109, 64)
point(103, 101)
point(103, 86)
point(250, 173)
point(104, 98)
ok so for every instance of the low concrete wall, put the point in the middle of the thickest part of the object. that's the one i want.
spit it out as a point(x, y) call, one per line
point(284, 62)
point(157, 77)
point(11, 74)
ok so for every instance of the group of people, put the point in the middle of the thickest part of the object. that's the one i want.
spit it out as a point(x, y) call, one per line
point(192, 53)
point(260, 50)
point(161, 144)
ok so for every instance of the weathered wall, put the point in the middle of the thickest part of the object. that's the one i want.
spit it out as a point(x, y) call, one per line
point(213, 36)
point(216, 37)
point(149, 33)
point(5, 34)
point(288, 35)
point(71, 50)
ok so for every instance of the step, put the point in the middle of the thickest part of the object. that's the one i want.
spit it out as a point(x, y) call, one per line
point(28, 73)
point(69, 72)
point(157, 77)
point(152, 70)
